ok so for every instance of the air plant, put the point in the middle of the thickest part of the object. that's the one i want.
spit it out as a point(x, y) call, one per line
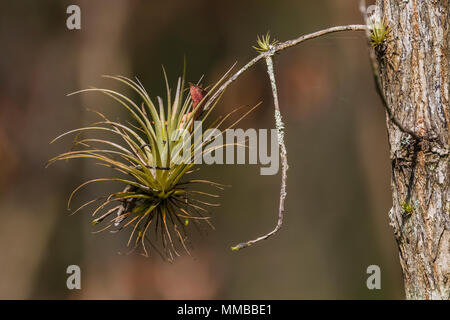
point(264, 43)
point(156, 199)
point(379, 30)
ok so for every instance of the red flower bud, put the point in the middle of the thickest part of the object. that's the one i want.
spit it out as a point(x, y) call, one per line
point(197, 95)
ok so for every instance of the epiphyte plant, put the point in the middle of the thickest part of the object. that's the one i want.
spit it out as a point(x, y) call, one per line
point(157, 199)
point(379, 33)
point(379, 28)
point(264, 43)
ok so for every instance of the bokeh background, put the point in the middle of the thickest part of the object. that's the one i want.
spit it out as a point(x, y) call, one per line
point(336, 223)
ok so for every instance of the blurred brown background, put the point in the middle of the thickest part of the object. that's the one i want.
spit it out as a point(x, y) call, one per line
point(338, 186)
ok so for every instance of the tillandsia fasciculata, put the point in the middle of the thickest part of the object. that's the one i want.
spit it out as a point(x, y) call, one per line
point(156, 199)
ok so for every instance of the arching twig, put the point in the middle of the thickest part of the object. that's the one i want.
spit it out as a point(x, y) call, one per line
point(277, 48)
point(267, 55)
point(283, 154)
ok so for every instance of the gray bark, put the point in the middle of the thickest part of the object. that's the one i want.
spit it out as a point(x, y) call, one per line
point(414, 72)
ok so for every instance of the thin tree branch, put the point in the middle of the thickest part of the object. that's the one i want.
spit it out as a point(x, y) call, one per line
point(283, 154)
point(267, 55)
point(277, 48)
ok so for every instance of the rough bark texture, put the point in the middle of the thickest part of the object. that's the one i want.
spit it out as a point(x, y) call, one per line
point(414, 71)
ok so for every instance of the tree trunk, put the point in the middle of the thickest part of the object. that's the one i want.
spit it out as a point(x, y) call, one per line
point(414, 72)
